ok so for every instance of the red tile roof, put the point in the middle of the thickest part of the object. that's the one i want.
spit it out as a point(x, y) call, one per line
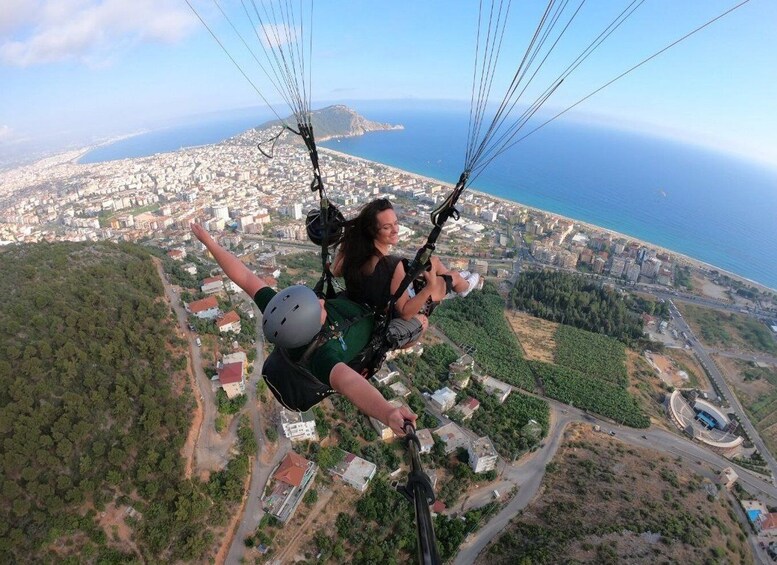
point(292, 469)
point(211, 280)
point(231, 373)
point(204, 304)
point(229, 318)
point(769, 521)
point(472, 403)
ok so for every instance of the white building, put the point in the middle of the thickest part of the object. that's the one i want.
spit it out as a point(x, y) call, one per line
point(426, 440)
point(617, 266)
point(452, 436)
point(298, 426)
point(444, 399)
point(482, 455)
point(221, 212)
point(650, 267)
point(385, 376)
point(236, 357)
point(497, 388)
point(354, 471)
point(399, 389)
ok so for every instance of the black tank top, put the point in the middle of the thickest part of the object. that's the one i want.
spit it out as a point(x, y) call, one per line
point(374, 289)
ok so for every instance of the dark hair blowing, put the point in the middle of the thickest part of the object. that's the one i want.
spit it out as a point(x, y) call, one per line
point(358, 244)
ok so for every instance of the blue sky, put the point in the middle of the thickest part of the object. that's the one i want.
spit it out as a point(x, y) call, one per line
point(74, 70)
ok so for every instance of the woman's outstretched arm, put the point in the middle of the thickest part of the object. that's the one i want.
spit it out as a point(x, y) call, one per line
point(233, 267)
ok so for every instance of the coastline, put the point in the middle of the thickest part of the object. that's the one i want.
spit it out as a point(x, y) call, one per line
point(680, 256)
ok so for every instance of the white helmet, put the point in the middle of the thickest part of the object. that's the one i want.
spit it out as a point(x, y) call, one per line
point(293, 317)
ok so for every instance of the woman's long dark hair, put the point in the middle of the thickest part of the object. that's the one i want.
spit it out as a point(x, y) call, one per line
point(358, 244)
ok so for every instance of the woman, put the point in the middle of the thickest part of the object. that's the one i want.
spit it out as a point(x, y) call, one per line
point(372, 275)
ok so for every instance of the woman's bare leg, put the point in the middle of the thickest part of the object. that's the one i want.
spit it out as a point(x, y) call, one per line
point(460, 284)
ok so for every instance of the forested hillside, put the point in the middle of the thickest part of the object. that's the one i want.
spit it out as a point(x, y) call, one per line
point(581, 302)
point(93, 409)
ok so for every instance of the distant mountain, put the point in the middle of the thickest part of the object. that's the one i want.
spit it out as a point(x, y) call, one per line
point(328, 123)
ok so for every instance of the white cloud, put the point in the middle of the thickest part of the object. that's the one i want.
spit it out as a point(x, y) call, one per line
point(87, 31)
point(5, 133)
point(17, 13)
point(278, 35)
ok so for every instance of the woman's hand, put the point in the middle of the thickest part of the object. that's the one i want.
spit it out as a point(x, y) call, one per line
point(435, 285)
point(397, 418)
point(201, 233)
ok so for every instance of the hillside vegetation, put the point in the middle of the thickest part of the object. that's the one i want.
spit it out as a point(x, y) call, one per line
point(94, 410)
point(604, 502)
point(583, 303)
point(478, 321)
point(727, 330)
point(503, 423)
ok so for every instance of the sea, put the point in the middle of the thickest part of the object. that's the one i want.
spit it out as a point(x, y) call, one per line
point(708, 205)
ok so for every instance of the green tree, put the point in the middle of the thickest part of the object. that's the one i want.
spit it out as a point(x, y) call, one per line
point(311, 497)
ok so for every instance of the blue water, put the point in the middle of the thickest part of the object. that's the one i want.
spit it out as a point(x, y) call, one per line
point(703, 204)
point(203, 132)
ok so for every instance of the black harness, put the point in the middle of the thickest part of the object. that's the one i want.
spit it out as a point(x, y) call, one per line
point(291, 382)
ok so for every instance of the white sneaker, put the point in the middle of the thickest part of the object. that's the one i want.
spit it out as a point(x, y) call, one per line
point(472, 280)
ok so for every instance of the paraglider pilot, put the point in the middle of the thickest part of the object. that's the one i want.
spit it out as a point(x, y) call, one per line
point(314, 340)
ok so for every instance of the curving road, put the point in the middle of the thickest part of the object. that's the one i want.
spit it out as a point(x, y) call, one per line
point(211, 452)
point(528, 474)
point(722, 385)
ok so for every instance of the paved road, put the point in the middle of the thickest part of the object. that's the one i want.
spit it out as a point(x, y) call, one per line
point(211, 452)
point(706, 302)
point(528, 474)
point(731, 398)
point(758, 357)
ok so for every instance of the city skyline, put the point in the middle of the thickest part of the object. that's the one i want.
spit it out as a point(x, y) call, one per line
point(78, 70)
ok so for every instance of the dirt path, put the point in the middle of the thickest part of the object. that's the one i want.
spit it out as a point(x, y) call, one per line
point(187, 451)
point(291, 547)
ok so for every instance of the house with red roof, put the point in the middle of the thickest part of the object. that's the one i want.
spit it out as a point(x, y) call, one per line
point(467, 407)
point(232, 380)
point(206, 309)
point(292, 469)
point(229, 322)
point(290, 481)
point(767, 526)
point(177, 254)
